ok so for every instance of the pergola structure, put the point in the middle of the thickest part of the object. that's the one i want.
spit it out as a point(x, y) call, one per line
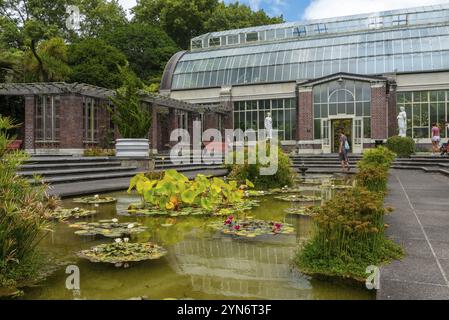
point(73, 116)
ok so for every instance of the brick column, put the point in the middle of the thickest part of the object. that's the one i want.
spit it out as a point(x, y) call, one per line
point(71, 122)
point(379, 111)
point(172, 124)
point(29, 122)
point(305, 115)
point(392, 112)
point(154, 127)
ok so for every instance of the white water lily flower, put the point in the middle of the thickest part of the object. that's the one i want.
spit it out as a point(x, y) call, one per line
point(125, 239)
point(130, 226)
point(118, 264)
point(96, 196)
point(76, 209)
point(126, 265)
point(118, 240)
point(114, 220)
point(96, 205)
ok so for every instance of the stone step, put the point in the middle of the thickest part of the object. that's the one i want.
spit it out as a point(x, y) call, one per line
point(88, 177)
point(65, 172)
point(50, 166)
point(47, 160)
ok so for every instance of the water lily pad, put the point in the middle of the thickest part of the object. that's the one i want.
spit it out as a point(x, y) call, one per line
point(95, 200)
point(251, 228)
point(123, 252)
point(107, 228)
point(65, 214)
point(298, 198)
point(301, 211)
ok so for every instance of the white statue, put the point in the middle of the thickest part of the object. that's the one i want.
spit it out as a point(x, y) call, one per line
point(402, 123)
point(269, 126)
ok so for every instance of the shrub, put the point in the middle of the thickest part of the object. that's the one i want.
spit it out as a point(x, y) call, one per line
point(379, 156)
point(22, 211)
point(97, 152)
point(349, 237)
point(403, 147)
point(283, 177)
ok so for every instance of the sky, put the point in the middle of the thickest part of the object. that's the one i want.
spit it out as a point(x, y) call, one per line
point(297, 10)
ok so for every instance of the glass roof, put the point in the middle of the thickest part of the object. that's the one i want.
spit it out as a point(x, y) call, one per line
point(292, 30)
point(380, 50)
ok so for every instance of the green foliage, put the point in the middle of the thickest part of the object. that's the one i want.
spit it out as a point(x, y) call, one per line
point(283, 176)
point(95, 62)
point(349, 237)
point(22, 212)
point(175, 191)
point(131, 117)
point(97, 152)
point(185, 19)
point(53, 56)
point(146, 47)
point(373, 169)
point(403, 147)
point(237, 15)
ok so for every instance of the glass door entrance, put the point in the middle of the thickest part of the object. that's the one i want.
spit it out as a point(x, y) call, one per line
point(337, 127)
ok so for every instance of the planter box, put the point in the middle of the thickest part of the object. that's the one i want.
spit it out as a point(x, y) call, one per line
point(132, 148)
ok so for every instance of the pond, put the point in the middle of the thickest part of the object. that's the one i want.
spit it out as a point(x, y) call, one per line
point(200, 263)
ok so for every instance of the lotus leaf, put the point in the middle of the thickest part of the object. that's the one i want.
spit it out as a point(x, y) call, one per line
point(107, 228)
point(302, 211)
point(122, 252)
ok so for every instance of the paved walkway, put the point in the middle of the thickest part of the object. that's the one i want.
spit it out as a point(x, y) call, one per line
point(420, 223)
point(72, 189)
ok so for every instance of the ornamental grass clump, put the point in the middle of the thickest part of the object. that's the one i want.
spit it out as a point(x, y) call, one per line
point(349, 237)
point(373, 169)
point(22, 215)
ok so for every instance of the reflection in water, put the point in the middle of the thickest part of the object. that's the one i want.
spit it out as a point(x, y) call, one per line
point(200, 264)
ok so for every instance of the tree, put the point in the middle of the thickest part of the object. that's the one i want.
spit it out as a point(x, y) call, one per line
point(100, 17)
point(52, 63)
point(131, 117)
point(147, 48)
point(95, 62)
point(236, 16)
point(181, 19)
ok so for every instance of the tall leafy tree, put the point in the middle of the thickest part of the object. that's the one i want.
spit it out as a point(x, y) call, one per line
point(181, 19)
point(95, 62)
point(236, 16)
point(147, 48)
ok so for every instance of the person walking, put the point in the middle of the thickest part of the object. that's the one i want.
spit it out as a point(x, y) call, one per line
point(343, 151)
point(436, 138)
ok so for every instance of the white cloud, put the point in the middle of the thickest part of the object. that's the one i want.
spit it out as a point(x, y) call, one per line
point(320, 9)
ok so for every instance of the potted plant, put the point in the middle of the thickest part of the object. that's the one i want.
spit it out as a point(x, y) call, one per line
point(131, 117)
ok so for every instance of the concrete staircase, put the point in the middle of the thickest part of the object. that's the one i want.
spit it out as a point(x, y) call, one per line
point(329, 164)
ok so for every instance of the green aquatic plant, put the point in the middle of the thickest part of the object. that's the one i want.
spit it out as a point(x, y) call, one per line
point(121, 252)
point(107, 228)
point(65, 214)
point(96, 199)
point(175, 191)
point(251, 228)
point(301, 211)
point(349, 236)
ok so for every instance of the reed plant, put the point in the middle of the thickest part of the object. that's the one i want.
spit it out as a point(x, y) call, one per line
point(22, 211)
point(349, 229)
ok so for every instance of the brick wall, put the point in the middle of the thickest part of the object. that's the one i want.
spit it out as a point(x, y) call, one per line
point(379, 103)
point(305, 115)
point(71, 122)
point(29, 122)
point(392, 112)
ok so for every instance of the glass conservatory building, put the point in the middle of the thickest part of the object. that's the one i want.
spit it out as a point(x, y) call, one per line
point(316, 77)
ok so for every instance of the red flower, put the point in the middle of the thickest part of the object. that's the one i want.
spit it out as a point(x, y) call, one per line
point(278, 226)
point(231, 218)
point(237, 228)
point(227, 222)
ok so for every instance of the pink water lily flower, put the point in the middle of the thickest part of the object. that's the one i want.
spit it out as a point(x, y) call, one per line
point(237, 228)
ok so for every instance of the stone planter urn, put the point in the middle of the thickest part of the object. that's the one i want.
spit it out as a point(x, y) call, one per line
point(132, 148)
